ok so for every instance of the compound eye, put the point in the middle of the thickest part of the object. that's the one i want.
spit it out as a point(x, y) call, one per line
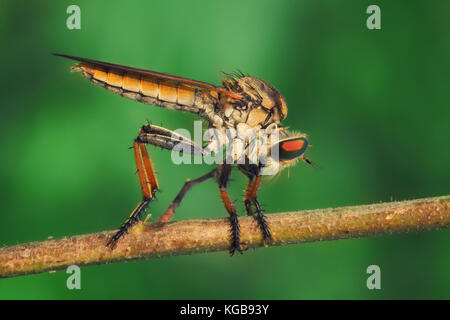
point(292, 148)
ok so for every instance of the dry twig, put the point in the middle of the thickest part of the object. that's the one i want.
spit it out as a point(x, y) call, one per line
point(197, 236)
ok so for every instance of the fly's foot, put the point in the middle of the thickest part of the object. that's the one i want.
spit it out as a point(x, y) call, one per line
point(235, 239)
point(134, 218)
point(267, 236)
point(112, 242)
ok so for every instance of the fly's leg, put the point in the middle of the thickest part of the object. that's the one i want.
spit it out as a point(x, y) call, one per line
point(149, 186)
point(247, 196)
point(223, 176)
point(251, 195)
point(168, 214)
point(166, 139)
point(259, 215)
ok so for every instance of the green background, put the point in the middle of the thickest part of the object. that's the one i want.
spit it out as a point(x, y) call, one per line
point(375, 104)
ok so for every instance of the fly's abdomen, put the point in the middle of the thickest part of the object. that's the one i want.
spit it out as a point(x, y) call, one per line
point(150, 90)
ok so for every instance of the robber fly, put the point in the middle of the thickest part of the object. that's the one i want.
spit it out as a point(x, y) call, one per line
point(243, 102)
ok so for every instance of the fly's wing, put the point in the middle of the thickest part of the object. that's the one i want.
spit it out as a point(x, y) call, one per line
point(154, 88)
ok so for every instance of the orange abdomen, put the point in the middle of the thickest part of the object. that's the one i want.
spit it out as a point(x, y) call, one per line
point(140, 87)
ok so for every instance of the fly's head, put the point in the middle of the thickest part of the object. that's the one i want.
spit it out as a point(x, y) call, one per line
point(261, 104)
point(260, 111)
point(287, 149)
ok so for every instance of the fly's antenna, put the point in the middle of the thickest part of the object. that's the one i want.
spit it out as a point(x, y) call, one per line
point(306, 160)
point(312, 164)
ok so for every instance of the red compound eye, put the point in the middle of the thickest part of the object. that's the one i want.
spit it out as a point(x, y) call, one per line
point(292, 148)
point(293, 145)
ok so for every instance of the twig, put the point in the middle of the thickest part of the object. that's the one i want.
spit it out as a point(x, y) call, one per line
point(197, 236)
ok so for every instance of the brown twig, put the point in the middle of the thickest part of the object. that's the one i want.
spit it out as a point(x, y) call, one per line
point(197, 236)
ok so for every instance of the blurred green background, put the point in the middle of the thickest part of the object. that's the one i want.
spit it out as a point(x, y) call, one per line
point(375, 104)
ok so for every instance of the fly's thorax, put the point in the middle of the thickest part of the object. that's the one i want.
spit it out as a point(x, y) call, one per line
point(260, 106)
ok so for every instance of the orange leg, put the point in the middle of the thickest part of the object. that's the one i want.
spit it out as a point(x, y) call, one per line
point(224, 172)
point(251, 194)
point(247, 197)
point(149, 186)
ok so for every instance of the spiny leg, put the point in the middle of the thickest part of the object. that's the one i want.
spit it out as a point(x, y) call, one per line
point(134, 217)
point(167, 139)
point(149, 186)
point(247, 196)
point(168, 214)
point(251, 195)
point(224, 172)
